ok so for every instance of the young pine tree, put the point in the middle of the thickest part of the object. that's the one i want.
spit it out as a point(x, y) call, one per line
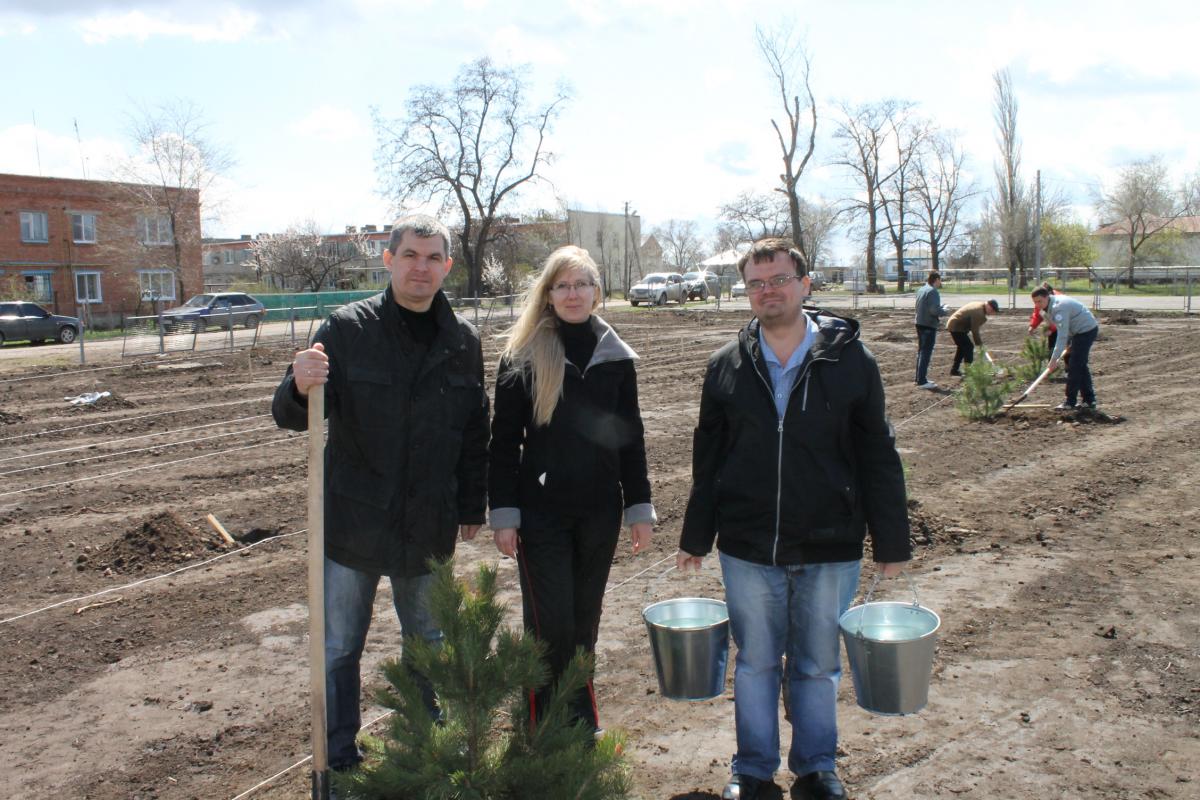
point(1035, 354)
point(477, 751)
point(984, 390)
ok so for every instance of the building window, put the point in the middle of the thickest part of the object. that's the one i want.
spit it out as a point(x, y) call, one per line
point(83, 228)
point(228, 256)
point(157, 284)
point(38, 286)
point(87, 287)
point(154, 229)
point(34, 227)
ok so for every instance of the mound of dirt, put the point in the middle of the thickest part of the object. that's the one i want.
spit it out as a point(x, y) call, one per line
point(1125, 316)
point(892, 336)
point(10, 418)
point(161, 540)
point(110, 403)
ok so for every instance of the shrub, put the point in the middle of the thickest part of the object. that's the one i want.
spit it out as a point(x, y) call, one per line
point(984, 390)
point(1035, 354)
point(476, 752)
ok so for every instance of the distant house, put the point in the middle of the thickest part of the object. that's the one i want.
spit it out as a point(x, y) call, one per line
point(650, 253)
point(96, 249)
point(1112, 240)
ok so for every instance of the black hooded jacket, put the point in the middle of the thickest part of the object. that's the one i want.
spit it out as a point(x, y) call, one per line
point(807, 488)
point(406, 459)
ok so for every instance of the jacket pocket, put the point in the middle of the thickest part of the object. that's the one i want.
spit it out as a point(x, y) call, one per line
point(363, 485)
point(372, 396)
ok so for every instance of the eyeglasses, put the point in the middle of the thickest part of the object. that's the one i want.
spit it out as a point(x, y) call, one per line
point(775, 282)
point(580, 287)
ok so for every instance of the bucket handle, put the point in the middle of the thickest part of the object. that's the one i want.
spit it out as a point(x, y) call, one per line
point(871, 591)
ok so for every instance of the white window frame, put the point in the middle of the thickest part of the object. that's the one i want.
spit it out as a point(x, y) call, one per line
point(228, 256)
point(154, 229)
point(87, 298)
point(29, 232)
point(83, 227)
point(156, 284)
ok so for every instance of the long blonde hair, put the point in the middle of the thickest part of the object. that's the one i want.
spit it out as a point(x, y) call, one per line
point(534, 347)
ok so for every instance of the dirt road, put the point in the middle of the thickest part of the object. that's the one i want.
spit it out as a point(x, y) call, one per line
point(1060, 553)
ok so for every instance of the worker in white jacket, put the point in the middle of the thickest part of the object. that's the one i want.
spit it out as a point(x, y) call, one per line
point(1077, 329)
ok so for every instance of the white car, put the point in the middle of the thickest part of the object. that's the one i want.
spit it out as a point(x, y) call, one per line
point(658, 288)
point(738, 290)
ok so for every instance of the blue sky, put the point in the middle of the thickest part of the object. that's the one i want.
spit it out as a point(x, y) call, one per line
point(671, 103)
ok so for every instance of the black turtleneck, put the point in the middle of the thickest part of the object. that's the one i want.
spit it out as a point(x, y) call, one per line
point(579, 340)
point(421, 324)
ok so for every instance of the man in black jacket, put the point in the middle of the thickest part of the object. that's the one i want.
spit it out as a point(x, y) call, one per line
point(406, 459)
point(793, 463)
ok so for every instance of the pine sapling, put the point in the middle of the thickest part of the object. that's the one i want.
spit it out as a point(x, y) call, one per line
point(983, 391)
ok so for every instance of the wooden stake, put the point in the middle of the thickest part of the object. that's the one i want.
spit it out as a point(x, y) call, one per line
point(316, 589)
point(219, 528)
point(101, 604)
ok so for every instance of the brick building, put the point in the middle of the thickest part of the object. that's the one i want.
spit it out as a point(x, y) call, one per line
point(97, 249)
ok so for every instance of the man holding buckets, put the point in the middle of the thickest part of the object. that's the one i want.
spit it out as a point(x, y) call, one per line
point(794, 462)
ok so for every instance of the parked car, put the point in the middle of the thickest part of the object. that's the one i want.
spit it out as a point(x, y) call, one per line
point(702, 285)
point(738, 289)
point(658, 288)
point(20, 320)
point(215, 310)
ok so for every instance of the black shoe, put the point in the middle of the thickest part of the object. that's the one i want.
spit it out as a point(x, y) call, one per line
point(743, 787)
point(956, 373)
point(818, 786)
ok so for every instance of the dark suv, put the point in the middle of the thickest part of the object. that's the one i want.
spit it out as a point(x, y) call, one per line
point(20, 320)
point(219, 310)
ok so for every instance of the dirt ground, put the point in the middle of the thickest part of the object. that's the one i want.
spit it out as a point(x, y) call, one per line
point(1060, 553)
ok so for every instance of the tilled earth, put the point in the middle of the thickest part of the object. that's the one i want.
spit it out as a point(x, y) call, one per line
point(145, 657)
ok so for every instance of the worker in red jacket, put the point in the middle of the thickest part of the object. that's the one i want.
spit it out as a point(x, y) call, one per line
point(1035, 319)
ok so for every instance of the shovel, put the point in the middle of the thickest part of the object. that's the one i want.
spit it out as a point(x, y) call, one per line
point(316, 589)
point(1027, 392)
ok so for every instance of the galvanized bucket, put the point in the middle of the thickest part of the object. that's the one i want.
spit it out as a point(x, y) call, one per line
point(689, 637)
point(890, 648)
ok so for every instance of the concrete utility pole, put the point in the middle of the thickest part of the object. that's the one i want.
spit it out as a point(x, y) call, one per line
point(625, 249)
point(1037, 235)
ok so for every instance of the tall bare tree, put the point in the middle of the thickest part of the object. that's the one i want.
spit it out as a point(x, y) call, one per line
point(168, 181)
point(791, 67)
point(908, 135)
point(863, 134)
point(1010, 203)
point(303, 258)
point(681, 243)
point(755, 215)
point(470, 147)
point(941, 193)
point(1143, 205)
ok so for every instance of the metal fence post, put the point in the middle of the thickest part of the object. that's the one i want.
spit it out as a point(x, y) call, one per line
point(162, 335)
point(1189, 291)
point(292, 322)
point(229, 320)
point(82, 328)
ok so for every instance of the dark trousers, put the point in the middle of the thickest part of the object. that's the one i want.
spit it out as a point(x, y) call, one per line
point(564, 559)
point(926, 337)
point(965, 349)
point(1079, 376)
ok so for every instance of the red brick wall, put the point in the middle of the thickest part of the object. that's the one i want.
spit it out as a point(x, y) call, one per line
point(117, 254)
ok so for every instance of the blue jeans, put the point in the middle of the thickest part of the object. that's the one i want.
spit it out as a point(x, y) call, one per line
point(349, 600)
point(793, 610)
point(925, 341)
point(1079, 376)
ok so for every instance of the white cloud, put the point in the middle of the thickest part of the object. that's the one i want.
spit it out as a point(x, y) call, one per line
point(230, 25)
point(328, 123)
point(25, 150)
point(511, 43)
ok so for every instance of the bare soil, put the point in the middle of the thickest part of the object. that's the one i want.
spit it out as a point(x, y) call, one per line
point(1059, 549)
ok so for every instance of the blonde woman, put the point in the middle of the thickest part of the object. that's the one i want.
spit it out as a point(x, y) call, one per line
point(567, 454)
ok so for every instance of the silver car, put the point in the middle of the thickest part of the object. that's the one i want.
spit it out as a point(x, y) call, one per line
point(219, 310)
point(658, 288)
point(20, 320)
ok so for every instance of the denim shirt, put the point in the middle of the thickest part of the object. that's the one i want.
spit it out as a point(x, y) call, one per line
point(784, 375)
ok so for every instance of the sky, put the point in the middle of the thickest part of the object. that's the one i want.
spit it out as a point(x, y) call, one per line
point(671, 104)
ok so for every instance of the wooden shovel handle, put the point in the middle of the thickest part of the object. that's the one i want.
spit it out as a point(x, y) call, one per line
point(316, 581)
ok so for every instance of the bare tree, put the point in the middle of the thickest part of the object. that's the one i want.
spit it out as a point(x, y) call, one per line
point(897, 194)
point(818, 219)
point(753, 215)
point(681, 243)
point(1010, 203)
point(471, 147)
point(790, 67)
point(304, 258)
point(940, 194)
point(1143, 205)
point(864, 134)
point(166, 184)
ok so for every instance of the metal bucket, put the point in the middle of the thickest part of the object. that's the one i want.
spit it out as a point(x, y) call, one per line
point(689, 637)
point(890, 648)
